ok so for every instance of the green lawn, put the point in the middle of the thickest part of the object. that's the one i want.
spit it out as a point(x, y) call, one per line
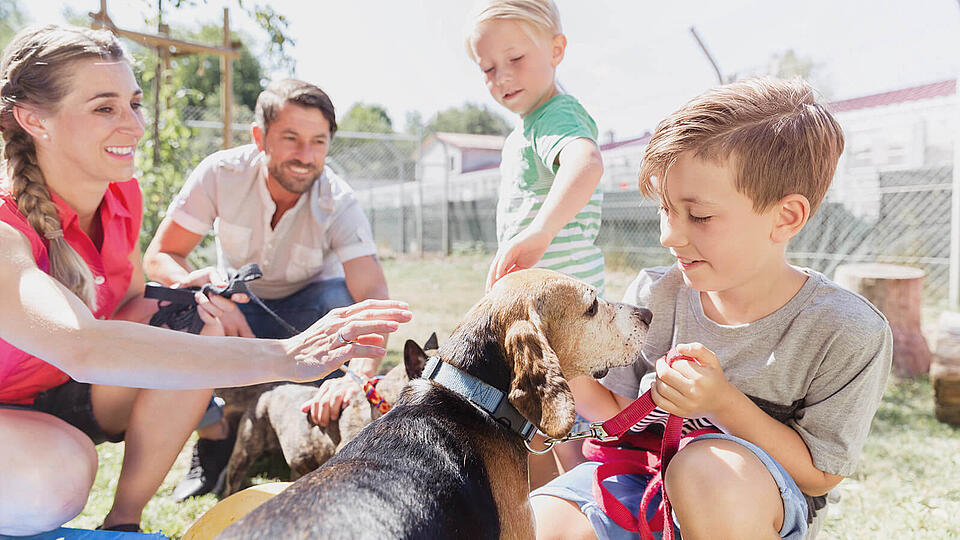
point(907, 486)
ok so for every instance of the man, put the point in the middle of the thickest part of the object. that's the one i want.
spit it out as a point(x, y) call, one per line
point(273, 203)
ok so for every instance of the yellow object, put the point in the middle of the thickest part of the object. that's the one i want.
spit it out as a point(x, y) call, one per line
point(231, 509)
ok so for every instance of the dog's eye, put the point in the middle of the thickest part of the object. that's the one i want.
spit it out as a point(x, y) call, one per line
point(593, 308)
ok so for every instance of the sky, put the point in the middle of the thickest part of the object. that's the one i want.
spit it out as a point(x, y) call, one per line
point(629, 62)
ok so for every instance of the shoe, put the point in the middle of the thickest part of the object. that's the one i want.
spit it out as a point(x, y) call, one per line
point(207, 467)
point(122, 527)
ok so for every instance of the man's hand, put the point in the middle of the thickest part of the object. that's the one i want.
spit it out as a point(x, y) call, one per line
point(230, 318)
point(332, 397)
point(692, 389)
point(523, 251)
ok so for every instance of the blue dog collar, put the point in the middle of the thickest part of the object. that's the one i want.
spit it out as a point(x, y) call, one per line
point(486, 397)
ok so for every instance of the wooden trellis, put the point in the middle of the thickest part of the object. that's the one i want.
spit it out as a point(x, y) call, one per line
point(168, 47)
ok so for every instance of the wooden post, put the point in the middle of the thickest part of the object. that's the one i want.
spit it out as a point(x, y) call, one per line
point(945, 369)
point(167, 46)
point(226, 84)
point(897, 291)
point(162, 29)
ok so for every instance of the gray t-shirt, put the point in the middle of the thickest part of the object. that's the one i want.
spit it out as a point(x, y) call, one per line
point(819, 364)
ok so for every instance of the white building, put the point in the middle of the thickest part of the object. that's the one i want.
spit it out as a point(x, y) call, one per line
point(445, 155)
point(910, 129)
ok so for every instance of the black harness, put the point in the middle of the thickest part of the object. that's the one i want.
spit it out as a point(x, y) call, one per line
point(178, 307)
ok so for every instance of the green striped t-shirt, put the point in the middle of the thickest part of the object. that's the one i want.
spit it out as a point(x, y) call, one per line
point(527, 170)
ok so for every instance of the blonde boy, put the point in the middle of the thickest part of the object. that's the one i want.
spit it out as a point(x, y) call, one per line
point(791, 366)
point(548, 214)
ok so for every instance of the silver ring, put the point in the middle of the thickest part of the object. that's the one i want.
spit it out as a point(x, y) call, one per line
point(343, 341)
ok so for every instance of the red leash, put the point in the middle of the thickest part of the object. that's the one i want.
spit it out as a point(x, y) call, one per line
point(370, 389)
point(651, 457)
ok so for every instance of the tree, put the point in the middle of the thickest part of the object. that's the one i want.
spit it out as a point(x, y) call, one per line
point(788, 64)
point(201, 73)
point(12, 20)
point(414, 123)
point(190, 80)
point(470, 118)
point(366, 118)
point(273, 24)
point(369, 157)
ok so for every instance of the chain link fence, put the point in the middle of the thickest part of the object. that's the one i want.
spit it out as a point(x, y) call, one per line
point(899, 215)
point(895, 211)
point(206, 126)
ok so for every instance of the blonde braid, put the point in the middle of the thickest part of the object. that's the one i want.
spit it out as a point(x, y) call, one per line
point(33, 200)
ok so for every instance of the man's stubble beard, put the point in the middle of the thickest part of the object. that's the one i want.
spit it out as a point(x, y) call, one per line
point(278, 173)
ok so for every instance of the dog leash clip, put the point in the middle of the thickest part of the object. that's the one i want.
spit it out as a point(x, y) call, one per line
point(593, 431)
point(549, 444)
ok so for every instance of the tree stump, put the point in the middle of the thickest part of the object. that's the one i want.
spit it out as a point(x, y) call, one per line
point(945, 369)
point(897, 291)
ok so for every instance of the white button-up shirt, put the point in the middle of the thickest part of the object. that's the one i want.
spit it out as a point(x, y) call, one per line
point(228, 192)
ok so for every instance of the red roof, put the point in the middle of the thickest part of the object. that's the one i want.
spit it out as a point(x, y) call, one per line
point(926, 91)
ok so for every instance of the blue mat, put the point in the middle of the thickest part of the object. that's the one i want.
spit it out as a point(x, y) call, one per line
point(64, 533)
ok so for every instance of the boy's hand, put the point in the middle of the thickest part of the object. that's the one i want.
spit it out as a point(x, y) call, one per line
point(523, 251)
point(691, 389)
point(333, 396)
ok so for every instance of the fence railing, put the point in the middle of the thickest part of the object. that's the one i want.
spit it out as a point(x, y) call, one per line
point(869, 215)
point(416, 206)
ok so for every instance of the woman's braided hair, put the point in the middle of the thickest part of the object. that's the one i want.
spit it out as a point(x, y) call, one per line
point(35, 72)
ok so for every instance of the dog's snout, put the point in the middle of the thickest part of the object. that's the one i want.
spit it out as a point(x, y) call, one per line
point(645, 315)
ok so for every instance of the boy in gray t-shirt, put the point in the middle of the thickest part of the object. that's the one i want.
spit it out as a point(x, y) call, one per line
point(790, 367)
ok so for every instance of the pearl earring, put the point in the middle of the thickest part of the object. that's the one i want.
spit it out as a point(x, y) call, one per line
point(45, 136)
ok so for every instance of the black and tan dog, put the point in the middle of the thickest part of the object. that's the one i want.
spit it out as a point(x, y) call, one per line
point(273, 422)
point(436, 465)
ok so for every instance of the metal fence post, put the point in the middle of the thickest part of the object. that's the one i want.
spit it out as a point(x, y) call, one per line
point(419, 174)
point(445, 211)
point(954, 286)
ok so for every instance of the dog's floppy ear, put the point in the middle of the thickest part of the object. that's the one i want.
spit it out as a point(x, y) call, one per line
point(432, 344)
point(538, 389)
point(413, 359)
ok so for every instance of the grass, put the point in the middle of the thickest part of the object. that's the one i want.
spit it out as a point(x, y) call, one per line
point(907, 484)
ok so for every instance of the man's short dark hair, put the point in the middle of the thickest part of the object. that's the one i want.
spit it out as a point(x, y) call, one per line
point(279, 93)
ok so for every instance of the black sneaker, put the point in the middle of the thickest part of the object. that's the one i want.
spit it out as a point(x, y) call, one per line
point(123, 527)
point(207, 467)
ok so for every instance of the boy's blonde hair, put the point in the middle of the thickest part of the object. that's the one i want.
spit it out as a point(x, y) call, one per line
point(774, 134)
point(540, 16)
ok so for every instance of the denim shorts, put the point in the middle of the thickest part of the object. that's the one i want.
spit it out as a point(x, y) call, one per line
point(71, 403)
point(576, 486)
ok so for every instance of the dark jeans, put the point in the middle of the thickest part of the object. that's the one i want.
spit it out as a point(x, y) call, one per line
point(300, 310)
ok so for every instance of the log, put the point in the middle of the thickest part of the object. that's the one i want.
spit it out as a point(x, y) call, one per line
point(945, 369)
point(897, 291)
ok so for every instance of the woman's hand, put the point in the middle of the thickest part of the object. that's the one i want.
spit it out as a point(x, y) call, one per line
point(318, 350)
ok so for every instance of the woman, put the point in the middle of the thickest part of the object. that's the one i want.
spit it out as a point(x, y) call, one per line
point(74, 369)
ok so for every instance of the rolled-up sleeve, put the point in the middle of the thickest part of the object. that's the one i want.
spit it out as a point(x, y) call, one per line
point(195, 207)
point(349, 233)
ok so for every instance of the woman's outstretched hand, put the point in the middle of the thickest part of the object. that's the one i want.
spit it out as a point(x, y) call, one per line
point(318, 350)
